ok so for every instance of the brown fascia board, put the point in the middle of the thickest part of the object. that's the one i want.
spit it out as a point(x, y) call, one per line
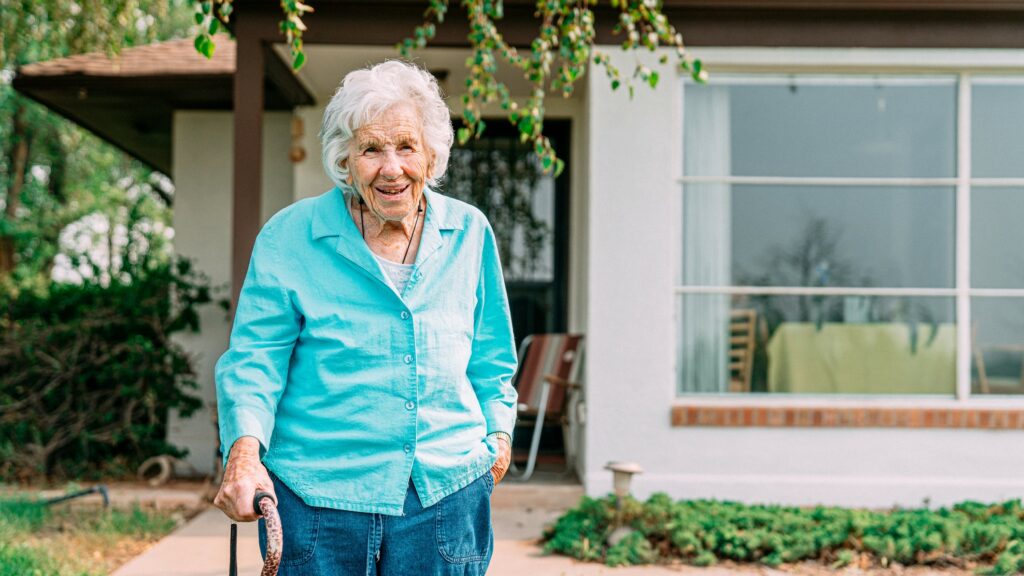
point(158, 161)
point(80, 98)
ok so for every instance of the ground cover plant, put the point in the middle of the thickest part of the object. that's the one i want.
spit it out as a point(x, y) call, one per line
point(78, 540)
point(704, 532)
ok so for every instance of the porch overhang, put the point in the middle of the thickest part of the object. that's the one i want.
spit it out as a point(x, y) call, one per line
point(129, 99)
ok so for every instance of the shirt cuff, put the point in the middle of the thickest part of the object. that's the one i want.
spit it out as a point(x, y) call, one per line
point(240, 423)
point(500, 417)
point(505, 435)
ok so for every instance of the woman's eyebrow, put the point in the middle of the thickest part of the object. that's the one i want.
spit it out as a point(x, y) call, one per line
point(365, 141)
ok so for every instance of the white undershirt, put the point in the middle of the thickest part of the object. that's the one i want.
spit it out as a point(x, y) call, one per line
point(399, 274)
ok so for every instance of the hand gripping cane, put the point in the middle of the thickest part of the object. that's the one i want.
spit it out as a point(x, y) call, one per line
point(263, 504)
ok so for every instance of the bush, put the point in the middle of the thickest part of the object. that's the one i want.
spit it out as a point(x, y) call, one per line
point(704, 532)
point(88, 372)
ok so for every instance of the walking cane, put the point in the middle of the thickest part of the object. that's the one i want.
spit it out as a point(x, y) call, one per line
point(263, 504)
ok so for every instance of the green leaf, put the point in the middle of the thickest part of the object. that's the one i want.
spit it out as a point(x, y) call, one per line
point(225, 10)
point(652, 79)
point(546, 162)
point(630, 91)
point(199, 18)
point(205, 6)
point(463, 135)
point(214, 26)
point(200, 44)
point(559, 166)
point(208, 47)
point(298, 60)
point(616, 84)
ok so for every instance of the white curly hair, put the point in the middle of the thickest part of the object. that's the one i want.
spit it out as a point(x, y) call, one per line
point(364, 94)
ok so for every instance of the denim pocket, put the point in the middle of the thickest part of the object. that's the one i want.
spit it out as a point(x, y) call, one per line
point(464, 523)
point(300, 523)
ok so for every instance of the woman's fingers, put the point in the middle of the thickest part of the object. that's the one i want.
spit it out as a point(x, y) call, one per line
point(243, 476)
point(504, 459)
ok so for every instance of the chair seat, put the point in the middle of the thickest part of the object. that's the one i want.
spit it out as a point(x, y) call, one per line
point(548, 377)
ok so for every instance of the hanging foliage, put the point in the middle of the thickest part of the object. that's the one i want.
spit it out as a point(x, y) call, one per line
point(556, 59)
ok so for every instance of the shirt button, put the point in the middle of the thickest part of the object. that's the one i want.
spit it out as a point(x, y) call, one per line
point(405, 315)
point(408, 448)
point(410, 405)
point(408, 359)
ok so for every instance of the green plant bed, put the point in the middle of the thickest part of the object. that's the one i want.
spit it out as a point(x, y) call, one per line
point(705, 532)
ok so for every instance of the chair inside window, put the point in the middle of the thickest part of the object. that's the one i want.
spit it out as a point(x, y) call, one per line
point(548, 382)
point(1008, 358)
point(742, 338)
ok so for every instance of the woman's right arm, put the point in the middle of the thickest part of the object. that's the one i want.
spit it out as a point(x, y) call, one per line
point(251, 377)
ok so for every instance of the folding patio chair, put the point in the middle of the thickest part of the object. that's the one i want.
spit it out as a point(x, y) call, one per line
point(549, 373)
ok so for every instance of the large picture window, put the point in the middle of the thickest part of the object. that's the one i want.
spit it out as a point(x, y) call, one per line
point(852, 234)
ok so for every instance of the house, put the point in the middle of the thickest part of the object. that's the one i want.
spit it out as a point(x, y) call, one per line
point(799, 283)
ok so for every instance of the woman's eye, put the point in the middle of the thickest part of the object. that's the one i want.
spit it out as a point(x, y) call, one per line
point(370, 149)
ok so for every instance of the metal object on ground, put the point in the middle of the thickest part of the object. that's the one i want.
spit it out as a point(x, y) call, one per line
point(622, 475)
point(99, 488)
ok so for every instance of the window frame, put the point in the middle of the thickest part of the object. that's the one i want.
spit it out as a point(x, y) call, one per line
point(963, 64)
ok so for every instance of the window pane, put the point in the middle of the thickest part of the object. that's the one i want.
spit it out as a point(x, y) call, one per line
point(998, 348)
point(816, 344)
point(755, 235)
point(997, 129)
point(856, 126)
point(997, 260)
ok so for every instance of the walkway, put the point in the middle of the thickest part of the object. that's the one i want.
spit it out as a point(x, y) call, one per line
point(520, 511)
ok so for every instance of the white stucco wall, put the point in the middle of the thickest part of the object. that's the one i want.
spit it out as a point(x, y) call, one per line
point(635, 159)
point(202, 152)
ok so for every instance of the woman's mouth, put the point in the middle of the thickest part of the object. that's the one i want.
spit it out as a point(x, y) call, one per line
point(391, 190)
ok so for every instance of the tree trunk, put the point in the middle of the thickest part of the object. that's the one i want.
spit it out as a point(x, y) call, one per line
point(18, 164)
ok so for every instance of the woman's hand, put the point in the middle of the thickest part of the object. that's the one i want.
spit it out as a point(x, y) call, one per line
point(503, 461)
point(243, 476)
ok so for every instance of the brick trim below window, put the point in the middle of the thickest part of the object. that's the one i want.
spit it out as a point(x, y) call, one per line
point(843, 417)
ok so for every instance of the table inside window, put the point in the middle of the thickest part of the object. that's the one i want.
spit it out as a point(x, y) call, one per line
point(873, 358)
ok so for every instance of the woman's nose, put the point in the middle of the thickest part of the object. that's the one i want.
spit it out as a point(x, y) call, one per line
point(392, 167)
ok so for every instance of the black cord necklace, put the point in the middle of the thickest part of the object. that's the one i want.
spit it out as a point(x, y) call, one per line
point(362, 225)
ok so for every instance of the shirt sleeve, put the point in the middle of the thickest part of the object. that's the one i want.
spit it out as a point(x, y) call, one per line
point(252, 374)
point(493, 360)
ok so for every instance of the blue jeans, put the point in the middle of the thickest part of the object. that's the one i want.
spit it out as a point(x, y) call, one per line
point(452, 537)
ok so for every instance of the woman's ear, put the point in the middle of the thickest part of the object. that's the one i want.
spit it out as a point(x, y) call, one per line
point(431, 166)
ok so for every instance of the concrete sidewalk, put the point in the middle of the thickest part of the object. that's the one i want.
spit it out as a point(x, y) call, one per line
point(519, 512)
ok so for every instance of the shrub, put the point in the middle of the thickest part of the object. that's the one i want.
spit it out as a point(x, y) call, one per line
point(704, 532)
point(88, 371)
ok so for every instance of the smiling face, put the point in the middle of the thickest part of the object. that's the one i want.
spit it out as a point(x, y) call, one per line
point(390, 162)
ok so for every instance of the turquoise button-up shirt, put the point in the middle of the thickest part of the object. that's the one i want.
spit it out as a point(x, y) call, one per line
point(352, 388)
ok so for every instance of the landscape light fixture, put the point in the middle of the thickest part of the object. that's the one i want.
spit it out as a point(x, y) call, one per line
point(622, 476)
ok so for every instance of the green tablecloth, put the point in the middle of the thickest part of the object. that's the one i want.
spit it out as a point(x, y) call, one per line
point(861, 359)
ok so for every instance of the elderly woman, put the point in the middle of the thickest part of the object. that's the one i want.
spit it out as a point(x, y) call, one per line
point(367, 385)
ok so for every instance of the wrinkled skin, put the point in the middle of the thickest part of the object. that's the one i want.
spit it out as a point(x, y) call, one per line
point(243, 476)
point(389, 164)
point(504, 459)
